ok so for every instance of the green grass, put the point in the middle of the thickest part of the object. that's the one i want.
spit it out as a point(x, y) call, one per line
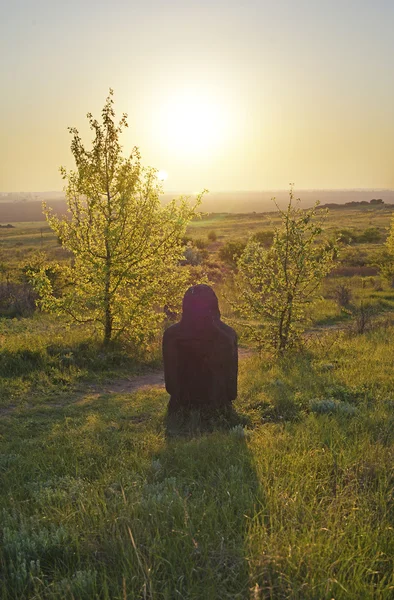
point(289, 496)
point(106, 497)
point(241, 226)
point(44, 358)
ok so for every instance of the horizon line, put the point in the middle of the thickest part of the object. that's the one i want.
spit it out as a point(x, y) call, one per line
point(237, 191)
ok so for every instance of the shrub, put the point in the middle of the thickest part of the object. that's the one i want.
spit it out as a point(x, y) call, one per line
point(212, 237)
point(347, 236)
point(199, 243)
point(343, 295)
point(331, 406)
point(363, 315)
point(370, 236)
point(194, 256)
point(231, 251)
point(17, 299)
point(354, 257)
point(264, 237)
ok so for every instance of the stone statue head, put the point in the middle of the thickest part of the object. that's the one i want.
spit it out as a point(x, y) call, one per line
point(200, 305)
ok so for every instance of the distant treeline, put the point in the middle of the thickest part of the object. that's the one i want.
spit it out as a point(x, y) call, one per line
point(373, 202)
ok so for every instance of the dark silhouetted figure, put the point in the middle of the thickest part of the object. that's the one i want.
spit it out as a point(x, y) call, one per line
point(200, 355)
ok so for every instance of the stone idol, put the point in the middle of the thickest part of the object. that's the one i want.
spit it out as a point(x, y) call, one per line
point(200, 355)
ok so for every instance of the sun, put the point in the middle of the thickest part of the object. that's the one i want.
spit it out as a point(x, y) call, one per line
point(162, 175)
point(193, 124)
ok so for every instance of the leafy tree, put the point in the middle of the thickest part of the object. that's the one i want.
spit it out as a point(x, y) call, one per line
point(276, 284)
point(126, 247)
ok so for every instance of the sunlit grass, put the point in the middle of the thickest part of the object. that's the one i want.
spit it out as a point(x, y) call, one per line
point(43, 357)
point(105, 497)
point(290, 496)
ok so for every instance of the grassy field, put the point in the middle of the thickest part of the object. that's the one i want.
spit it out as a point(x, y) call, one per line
point(291, 495)
point(27, 237)
point(242, 225)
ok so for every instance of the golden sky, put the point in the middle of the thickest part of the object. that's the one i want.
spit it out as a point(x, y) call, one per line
point(221, 95)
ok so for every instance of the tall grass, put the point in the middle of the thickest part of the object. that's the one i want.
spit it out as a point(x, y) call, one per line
point(290, 496)
point(44, 358)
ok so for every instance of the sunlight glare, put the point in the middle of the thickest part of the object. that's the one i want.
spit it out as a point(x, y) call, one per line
point(162, 175)
point(193, 124)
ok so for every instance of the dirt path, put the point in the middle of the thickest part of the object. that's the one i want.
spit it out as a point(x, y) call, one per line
point(154, 379)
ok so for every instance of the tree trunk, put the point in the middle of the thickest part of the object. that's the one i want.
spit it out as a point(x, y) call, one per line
point(107, 297)
point(281, 343)
point(108, 323)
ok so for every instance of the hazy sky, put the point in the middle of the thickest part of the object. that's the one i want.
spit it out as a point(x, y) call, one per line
point(221, 94)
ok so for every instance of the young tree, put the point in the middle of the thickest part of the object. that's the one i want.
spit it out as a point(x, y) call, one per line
point(276, 284)
point(390, 239)
point(126, 247)
point(386, 262)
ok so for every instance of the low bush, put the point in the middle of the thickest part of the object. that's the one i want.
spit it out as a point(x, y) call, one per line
point(354, 257)
point(17, 299)
point(231, 251)
point(343, 295)
point(370, 235)
point(194, 256)
point(264, 237)
point(363, 316)
point(199, 243)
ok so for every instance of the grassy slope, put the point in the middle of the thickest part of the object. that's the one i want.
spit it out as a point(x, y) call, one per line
point(106, 498)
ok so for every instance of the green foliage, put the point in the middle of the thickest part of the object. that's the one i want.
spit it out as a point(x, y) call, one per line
point(264, 237)
point(370, 235)
point(125, 246)
point(200, 244)
point(363, 314)
point(343, 295)
point(390, 239)
point(212, 236)
point(231, 251)
point(276, 284)
point(354, 257)
point(384, 258)
point(192, 255)
point(102, 496)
